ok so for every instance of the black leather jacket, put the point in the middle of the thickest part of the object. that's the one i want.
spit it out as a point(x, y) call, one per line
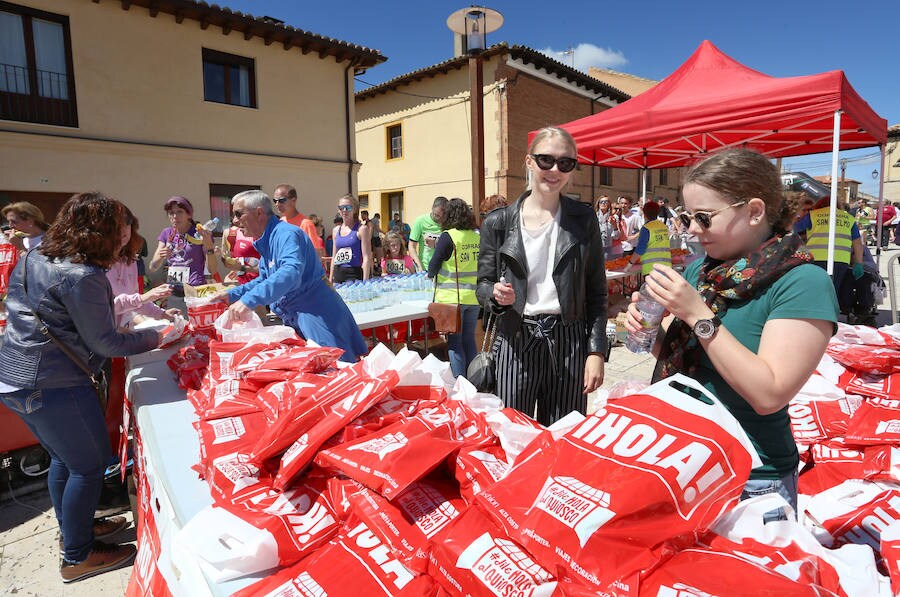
point(579, 270)
point(76, 302)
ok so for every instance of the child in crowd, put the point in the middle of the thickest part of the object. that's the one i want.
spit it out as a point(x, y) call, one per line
point(396, 260)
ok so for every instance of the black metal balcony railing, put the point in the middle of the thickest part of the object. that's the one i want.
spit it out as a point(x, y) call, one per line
point(33, 95)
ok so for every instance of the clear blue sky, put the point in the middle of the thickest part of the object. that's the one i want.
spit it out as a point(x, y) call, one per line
point(648, 39)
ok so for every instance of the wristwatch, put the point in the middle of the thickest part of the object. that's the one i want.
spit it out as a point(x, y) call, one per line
point(706, 328)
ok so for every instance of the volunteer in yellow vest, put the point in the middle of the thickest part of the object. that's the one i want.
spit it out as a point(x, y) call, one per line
point(864, 217)
point(454, 266)
point(653, 241)
point(848, 248)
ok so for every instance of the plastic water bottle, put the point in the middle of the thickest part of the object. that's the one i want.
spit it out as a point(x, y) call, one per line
point(211, 225)
point(651, 313)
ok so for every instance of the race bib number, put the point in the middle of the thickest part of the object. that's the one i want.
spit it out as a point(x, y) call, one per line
point(395, 266)
point(343, 255)
point(179, 273)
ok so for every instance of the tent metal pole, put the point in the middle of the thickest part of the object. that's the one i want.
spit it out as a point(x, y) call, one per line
point(880, 219)
point(832, 212)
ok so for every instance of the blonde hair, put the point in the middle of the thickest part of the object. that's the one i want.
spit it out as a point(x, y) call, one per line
point(27, 211)
point(390, 237)
point(548, 132)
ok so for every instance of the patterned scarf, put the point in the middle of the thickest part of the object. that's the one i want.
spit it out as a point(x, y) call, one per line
point(723, 281)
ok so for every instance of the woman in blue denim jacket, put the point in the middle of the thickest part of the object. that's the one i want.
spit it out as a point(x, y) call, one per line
point(66, 286)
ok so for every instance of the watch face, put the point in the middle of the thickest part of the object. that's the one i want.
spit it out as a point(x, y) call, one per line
point(705, 328)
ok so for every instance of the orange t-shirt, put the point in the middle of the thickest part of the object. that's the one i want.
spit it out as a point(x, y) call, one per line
point(307, 226)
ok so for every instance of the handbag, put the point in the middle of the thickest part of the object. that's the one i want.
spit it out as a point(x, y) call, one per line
point(482, 371)
point(446, 316)
point(98, 378)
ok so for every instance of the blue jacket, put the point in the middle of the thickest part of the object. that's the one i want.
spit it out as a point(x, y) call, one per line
point(288, 268)
point(291, 280)
point(76, 302)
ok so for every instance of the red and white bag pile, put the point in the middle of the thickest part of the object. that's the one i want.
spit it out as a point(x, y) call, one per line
point(381, 479)
point(846, 422)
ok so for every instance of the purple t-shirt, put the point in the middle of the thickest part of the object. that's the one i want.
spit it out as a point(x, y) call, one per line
point(188, 259)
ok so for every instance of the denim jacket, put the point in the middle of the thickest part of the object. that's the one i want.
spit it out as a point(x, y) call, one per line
point(75, 301)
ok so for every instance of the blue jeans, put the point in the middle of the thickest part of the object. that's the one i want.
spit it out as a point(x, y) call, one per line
point(70, 426)
point(786, 487)
point(461, 347)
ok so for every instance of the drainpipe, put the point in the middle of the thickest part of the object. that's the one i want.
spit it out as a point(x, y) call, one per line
point(349, 124)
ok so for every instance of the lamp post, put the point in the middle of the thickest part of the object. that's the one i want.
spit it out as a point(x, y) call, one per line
point(474, 23)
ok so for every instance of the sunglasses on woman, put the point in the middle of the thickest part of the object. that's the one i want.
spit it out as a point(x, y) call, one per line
point(704, 218)
point(345, 207)
point(546, 162)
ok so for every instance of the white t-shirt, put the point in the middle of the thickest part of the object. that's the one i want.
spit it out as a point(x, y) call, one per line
point(540, 253)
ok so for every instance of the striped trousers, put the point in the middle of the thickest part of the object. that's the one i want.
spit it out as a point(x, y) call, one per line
point(542, 368)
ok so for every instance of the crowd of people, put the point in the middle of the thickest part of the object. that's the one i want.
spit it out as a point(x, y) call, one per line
point(535, 269)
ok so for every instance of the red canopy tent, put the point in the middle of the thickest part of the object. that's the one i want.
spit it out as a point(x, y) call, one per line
point(712, 102)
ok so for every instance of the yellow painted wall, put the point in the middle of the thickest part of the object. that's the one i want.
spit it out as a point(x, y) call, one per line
point(436, 142)
point(139, 80)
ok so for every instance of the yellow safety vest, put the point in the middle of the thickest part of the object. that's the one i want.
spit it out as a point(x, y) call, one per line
point(817, 237)
point(463, 269)
point(659, 250)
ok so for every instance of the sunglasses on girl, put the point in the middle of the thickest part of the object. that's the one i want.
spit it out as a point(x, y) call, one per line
point(546, 162)
point(704, 218)
point(345, 207)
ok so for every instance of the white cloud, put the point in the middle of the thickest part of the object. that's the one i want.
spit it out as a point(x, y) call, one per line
point(587, 55)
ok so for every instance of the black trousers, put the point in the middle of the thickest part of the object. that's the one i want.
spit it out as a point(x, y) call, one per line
point(542, 368)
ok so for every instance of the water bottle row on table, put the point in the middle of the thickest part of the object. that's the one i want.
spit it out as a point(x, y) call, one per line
point(377, 293)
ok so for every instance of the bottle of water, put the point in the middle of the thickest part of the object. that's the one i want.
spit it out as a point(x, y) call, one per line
point(211, 225)
point(651, 313)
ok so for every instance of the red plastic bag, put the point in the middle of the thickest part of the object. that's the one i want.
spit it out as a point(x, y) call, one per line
point(389, 460)
point(406, 524)
point(694, 572)
point(855, 512)
point(875, 386)
point(882, 463)
point(815, 420)
point(625, 486)
point(221, 360)
point(877, 421)
point(301, 453)
point(355, 564)
point(833, 463)
point(308, 408)
point(202, 315)
point(890, 553)
point(300, 518)
point(866, 359)
point(479, 467)
point(475, 557)
point(223, 447)
point(229, 398)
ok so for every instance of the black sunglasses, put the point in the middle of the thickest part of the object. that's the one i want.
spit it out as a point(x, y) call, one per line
point(704, 218)
point(546, 162)
point(237, 214)
point(281, 199)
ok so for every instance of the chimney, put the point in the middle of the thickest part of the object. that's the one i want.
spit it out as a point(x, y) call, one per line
point(460, 47)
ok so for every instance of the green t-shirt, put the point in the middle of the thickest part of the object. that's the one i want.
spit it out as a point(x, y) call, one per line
point(805, 292)
point(423, 228)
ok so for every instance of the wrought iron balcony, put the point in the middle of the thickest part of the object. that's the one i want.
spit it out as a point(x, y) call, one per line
point(33, 95)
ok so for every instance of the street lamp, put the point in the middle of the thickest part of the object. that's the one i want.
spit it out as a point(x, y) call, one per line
point(474, 23)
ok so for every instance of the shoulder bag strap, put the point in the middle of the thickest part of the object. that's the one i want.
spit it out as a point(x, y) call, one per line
point(45, 330)
point(456, 265)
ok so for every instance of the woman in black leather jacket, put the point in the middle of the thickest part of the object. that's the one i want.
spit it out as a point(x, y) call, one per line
point(64, 283)
point(541, 272)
